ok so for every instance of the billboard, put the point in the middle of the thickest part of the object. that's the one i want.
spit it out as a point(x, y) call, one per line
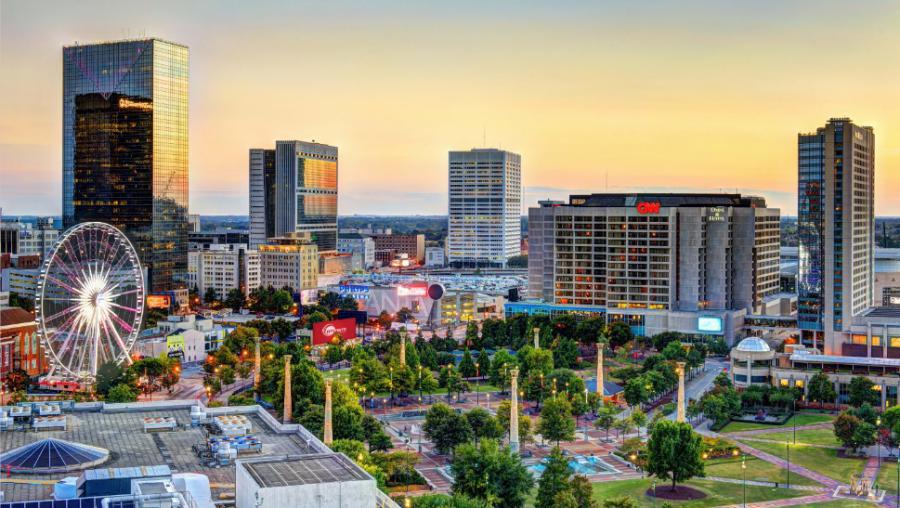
point(324, 332)
point(175, 344)
point(158, 301)
point(413, 289)
point(709, 324)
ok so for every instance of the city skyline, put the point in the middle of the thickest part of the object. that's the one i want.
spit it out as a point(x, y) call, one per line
point(616, 98)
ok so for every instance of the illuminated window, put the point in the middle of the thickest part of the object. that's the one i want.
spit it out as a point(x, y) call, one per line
point(895, 341)
point(859, 339)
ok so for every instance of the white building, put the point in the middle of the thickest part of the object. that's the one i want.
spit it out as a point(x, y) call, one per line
point(23, 239)
point(434, 256)
point(836, 230)
point(362, 245)
point(485, 207)
point(291, 260)
point(224, 267)
point(213, 334)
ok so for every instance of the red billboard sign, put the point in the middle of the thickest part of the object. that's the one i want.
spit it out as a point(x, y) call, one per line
point(325, 332)
point(647, 207)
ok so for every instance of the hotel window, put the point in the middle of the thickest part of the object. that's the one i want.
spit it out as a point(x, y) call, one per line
point(798, 383)
point(783, 383)
point(876, 340)
point(859, 339)
point(895, 341)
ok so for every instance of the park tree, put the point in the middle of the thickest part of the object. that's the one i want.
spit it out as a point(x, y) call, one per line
point(491, 473)
point(427, 355)
point(638, 418)
point(674, 452)
point(503, 410)
point(484, 425)
point(484, 363)
point(723, 381)
point(821, 389)
point(554, 479)
point(862, 390)
point(606, 418)
point(556, 422)
point(620, 334)
point(565, 354)
point(210, 297)
point(501, 364)
point(472, 338)
point(467, 365)
point(636, 392)
point(534, 361)
point(445, 428)
point(121, 393)
point(582, 491)
point(235, 299)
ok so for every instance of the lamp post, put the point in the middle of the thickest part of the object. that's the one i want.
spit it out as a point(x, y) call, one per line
point(477, 383)
point(420, 383)
point(794, 417)
point(392, 385)
point(878, 441)
point(788, 465)
point(744, 475)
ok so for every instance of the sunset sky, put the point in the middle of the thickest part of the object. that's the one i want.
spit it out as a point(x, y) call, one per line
point(645, 95)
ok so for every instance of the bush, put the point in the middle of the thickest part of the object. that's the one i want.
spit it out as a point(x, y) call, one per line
point(241, 400)
point(668, 409)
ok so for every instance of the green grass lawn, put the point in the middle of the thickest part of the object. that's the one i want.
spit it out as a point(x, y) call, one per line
point(757, 470)
point(812, 436)
point(339, 374)
point(887, 475)
point(821, 460)
point(800, 418)
point(718, 493)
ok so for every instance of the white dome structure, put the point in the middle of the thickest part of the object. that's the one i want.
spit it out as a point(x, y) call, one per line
point(753, 345)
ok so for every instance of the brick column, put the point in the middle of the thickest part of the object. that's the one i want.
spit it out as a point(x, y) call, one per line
point(514, 410)
point(600, 369)
point(403, 347)
point(679, 416)
point(327, 433)
point(537, 337)
point(288, 408)
point(256, 367)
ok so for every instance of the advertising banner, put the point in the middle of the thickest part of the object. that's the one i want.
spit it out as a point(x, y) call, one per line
point(325, 332)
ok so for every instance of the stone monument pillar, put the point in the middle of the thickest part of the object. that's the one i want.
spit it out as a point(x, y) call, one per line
point(256, 367)
point(514, 410)
point(679, 416)
point(403, 347)
point(327, 433)
point(600, 370)
point(288, 409)
point(537, 338)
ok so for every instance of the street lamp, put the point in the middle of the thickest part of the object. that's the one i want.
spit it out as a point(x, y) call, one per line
point(744, 475)
point(878, 442)
point(788, 465)
point(477, 382)
point(794, 417)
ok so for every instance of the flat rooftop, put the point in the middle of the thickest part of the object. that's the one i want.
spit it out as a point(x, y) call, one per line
point(666, 200)
point(122, 433)
point(303, 470)
point(883, 312)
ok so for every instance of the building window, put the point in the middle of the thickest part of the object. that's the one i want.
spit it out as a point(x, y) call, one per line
point(859, 339)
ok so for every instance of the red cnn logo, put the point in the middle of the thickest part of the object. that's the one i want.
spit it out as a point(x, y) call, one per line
point(645, 207)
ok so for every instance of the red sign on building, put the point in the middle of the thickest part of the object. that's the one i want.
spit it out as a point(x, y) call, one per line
point(325, 332)
point(648, 207)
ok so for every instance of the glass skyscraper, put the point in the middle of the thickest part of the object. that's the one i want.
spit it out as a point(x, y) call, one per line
point(835, 225)
point(125, 147)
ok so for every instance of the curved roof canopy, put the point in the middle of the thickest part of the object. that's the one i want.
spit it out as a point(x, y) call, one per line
point(753, 345)
point(52, 456)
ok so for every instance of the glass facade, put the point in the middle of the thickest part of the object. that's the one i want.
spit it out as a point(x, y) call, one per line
point(125, 147)
point(811, 232)
point(306, 176)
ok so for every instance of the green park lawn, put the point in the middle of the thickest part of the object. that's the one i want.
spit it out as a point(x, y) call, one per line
point(809, 436)
point(824, 461)
point(718, 493)
point(800, 418)
point(757, 470)
point(339, 374)
point(887, 475)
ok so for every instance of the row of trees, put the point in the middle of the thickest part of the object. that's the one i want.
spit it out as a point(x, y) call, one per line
point(145, 376)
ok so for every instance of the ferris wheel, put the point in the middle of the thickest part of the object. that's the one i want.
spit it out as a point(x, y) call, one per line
point(89, 301)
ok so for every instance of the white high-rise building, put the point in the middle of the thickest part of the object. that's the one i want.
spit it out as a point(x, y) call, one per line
point(836, 231)
point(485, 207)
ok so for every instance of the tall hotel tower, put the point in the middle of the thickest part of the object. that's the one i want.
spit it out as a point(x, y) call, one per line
point(293, 188)
point(836, 229)
point(485, 208)
point(125, 147)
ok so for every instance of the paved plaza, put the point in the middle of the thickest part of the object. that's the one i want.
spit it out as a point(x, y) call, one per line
point(122, 434)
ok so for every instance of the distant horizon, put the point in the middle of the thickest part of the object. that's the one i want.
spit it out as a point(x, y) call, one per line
point(617, 96)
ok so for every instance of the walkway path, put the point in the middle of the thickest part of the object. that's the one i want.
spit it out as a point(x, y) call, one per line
point(795, 501)
point(811, 488)
point(794, 468)
point(807, 445)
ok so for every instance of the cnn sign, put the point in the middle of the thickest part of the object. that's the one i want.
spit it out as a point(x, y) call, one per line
point(647, 207)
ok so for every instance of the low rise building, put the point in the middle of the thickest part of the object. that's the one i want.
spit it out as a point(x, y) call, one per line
point(434, 257)
point(355, 243)
point(20, 345)
point(393, 245)
point(291, 260)
point(223, 267)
